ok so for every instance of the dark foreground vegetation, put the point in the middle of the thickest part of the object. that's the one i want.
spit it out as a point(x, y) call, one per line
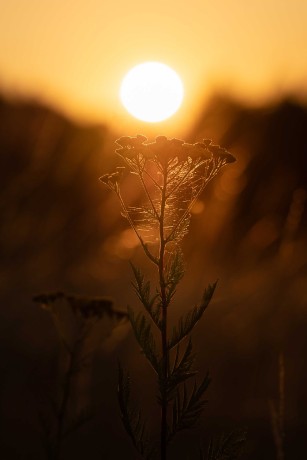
point(61, 232)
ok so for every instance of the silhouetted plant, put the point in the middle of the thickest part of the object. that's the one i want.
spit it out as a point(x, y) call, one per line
point(78, 321)
point(172, 175)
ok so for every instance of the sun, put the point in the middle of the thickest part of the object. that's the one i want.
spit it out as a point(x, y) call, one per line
point(151, 92)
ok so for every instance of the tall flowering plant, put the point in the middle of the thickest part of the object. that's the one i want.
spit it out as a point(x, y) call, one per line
point(172, 174)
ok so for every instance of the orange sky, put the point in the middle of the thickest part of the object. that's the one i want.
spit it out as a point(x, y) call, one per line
point(74, 53)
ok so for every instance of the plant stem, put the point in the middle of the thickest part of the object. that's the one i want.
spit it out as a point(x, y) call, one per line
point(164, 402)
point(64, 404)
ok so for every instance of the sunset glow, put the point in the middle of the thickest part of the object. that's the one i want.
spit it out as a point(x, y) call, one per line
point(151, 91)
point(246, 50)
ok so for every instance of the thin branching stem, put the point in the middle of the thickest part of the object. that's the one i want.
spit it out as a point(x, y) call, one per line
point(153, 180)
point(147, 193)
point(127, 215)
point(175, 177)
point(62, 412)
point(191, 204)
point(182, 180)
point(164, 321)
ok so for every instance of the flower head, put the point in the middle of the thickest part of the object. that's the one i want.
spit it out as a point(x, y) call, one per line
point(165, 149)
point(130, 146)
point(172, 174)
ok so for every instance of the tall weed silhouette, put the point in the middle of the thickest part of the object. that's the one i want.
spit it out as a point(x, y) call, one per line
point(171, 174)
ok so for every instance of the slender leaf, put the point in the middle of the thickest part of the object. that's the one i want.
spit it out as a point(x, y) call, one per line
point(174, 274)
point(187, 322)
point(142, 289)
point(143, 334)
point(187, 409)
point(131, 417)
point(181, 371)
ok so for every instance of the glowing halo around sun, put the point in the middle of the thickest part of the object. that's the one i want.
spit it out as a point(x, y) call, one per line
point(151, 92)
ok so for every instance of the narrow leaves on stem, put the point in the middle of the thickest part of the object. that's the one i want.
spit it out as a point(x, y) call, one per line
point(142, 290)
point(186, 323)
point(188, 408)
point(143, 334)
point(181, 370)
point(131, 417)
point(174, 274)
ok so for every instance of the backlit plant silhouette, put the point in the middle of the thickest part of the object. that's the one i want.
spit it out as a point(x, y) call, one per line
point(81, 326)
point(172, 174)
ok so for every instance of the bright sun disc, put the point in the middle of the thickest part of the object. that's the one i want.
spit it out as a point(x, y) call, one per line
point(151, 91)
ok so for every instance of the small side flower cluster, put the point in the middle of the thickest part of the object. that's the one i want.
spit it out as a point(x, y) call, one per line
point(77, 317)
point(86, 308)
point(173, 174)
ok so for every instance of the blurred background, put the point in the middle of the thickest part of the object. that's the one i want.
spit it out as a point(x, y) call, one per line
point(244, 67)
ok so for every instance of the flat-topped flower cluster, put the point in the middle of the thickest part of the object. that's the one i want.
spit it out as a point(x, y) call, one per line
point(165, 149)
point(172, 174)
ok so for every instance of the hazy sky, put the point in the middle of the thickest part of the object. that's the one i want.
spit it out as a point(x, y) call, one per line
point(74, 53)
